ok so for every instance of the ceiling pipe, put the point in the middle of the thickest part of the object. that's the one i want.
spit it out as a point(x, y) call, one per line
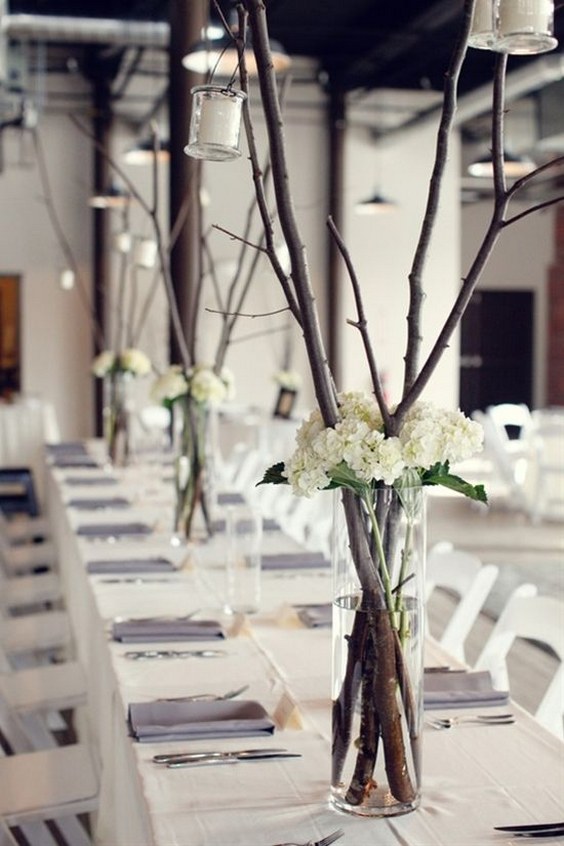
point(62, 28)
point(534, 76)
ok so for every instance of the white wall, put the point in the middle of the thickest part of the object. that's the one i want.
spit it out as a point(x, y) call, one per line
point(383, 247)
point(57, 337)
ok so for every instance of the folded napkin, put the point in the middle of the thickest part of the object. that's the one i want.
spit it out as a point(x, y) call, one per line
point(168, 721)
point(74, 460)
point(111, 530)
point(316, 616)
point(293, 560)
point(457, 690)
point(230, 498)
point(90, 480)
point(131, 565)
point(101, 502)
point(67, 448)
point(157, 630)
point(268, 525)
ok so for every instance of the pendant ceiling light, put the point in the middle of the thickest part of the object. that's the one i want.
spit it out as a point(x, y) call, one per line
point(114, 198)
point(143, 153)
point(375, 205)
point(514, 167)
point(219, 56)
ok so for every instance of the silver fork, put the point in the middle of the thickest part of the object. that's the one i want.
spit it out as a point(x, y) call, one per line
point(325, 841)
point(206, 697)
point(480, 719)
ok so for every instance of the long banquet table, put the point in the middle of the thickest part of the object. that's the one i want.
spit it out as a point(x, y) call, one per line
point(473, 777)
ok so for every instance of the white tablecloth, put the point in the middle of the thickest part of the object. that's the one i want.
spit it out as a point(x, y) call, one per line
point(474, 777)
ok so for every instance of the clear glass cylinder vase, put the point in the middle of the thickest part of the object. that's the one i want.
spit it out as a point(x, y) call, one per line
point(117, 409)
point(194, 477)
point(378, 558)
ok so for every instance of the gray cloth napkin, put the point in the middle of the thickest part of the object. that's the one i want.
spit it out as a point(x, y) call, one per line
point(293, 560)
point(167, 721)
point(458, 690)
point(67, 448)
point(316, 616)
point(99, 502)
point(111, 530)
point(230, 498)
point(157, 631)
point(90, 480)
point(131, 565)
point(74, 460)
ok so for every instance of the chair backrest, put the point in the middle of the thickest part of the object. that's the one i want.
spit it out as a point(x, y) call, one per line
point(463, 574)
point(512, 420)
point(17, 491)
point(536, 618)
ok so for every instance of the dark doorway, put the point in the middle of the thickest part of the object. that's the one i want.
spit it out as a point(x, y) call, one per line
point(9, 336)
point(496, 350)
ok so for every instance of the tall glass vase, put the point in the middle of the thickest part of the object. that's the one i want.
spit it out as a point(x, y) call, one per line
point(193, 474)
point(116, 417)
point(377, 673)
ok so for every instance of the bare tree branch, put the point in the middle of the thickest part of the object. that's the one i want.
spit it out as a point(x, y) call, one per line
point(362, 325)
point(416, 294)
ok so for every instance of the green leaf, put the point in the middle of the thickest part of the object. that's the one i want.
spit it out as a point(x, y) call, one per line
point(274, 475)
point(439, 475)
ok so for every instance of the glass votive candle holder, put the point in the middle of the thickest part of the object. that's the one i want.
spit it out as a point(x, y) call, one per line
point(525, 26)
point(123, 241)
point(483, 33)
point(215, 125)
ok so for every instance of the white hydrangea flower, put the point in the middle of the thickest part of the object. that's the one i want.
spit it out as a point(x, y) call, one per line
point(228, 380)
point(103, 363)
point(429, 435)
point(170, 385)
point(205, 386)
point(291, 380)
point(135, 361)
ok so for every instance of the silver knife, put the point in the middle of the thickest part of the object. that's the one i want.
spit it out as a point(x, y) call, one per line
point(165, 757)
point(195, 759)
point(137, 655)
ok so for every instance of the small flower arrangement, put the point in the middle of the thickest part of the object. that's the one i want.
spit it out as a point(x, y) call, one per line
point(200, 382)
point(129, 360)
point(289, 380)
point(357, 454)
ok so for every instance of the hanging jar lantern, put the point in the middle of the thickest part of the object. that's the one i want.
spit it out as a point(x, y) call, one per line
point(483, 33)
point(215, 126)
point(145, 253)
point(525, 27)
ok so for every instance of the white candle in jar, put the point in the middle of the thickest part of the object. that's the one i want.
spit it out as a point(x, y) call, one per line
point(123, 241)
point(220, 120)
point(525, 16)
point(146, 253)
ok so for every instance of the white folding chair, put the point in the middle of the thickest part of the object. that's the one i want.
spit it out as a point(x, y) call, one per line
point(29, 592)
point(462, 574)
point(6, 836)
point(33, 636)
point(41, 695)
point(509, 460)
point(53, 784)
point(540, 619)
point(547, 446)
point(23, 528)
point(28, 557)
